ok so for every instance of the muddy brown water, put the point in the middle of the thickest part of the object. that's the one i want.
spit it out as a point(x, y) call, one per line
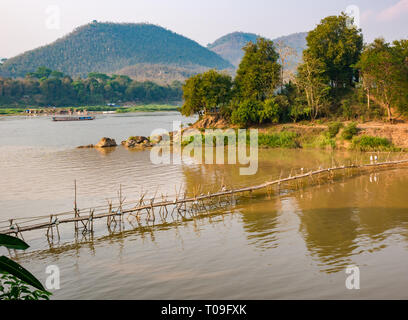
point(296, 245)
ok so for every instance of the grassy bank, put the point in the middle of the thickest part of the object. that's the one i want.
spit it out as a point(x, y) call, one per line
point(374, 136)
point(11, 111)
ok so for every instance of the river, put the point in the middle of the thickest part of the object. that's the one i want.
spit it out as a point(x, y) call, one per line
point(296, 245)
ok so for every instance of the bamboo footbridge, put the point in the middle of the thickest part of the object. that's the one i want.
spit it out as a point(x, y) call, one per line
point(145, 211)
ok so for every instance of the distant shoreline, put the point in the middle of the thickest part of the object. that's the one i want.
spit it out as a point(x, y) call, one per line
point(10, 111)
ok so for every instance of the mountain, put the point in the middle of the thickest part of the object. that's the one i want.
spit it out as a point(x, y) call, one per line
point(230, 46)
point(110, 47)
point(296, 41)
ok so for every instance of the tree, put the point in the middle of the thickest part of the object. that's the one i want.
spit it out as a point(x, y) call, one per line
point(313, 83)
point(45, 87)
point(259, 72)
point(205, 91)
point(285, 54)
point(338, 45)
point(384, 72)
point(41, 73)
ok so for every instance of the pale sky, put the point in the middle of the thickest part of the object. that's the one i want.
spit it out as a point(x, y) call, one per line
point(27, 24)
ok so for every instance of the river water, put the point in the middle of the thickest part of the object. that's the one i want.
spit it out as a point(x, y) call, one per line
point(296, 245)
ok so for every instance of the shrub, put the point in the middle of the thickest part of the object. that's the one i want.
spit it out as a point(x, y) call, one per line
point(247, 113)
point(334, 129)
point(350, 131)
point(270, 112)
point(369, 143)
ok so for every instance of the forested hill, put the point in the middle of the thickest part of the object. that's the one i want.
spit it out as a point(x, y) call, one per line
point(108, 47)
point(230, 46)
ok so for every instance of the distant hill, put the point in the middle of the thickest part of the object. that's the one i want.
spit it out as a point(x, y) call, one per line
point(111, 47)
point(230, 46)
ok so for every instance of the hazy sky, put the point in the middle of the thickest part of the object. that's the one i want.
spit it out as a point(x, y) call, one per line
point(27, 24)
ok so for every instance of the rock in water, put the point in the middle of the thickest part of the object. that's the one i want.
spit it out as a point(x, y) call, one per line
point(136, 141)
point(106, 143)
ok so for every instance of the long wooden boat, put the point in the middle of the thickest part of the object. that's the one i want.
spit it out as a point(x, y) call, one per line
point(73, 118)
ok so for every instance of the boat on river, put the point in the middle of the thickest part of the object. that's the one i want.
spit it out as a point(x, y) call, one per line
point(73, 118)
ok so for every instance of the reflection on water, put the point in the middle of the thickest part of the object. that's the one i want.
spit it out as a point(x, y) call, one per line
point(293, 245)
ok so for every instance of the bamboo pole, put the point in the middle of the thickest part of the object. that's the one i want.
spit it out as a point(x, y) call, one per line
point(179, 203)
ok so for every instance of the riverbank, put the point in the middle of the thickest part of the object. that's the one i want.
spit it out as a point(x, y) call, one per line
point(347, 135)
point(4, 111)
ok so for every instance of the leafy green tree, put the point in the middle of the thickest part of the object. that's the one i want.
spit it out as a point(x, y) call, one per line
point(100, 76)
point(46, 87)
point(259, 72)
point(338, 45)
point(384, 70)
point(41, 73)
point(206, 91)
point(56, 74)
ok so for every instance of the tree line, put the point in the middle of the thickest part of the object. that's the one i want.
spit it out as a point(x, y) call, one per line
point(339, 77)
point(46, 87)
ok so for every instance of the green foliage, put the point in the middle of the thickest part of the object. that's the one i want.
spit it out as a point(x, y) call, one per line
point(284, 139)
point(369, 143)
point(259, 72)
point(338, 46)
point(14, 278)
point(109, 47)
point(10, 111)
point(299, 111)
point(12, 242)
point(333, 129)
point(330, 82)
point(350, 131)
point(384, 70)
point(46, 87)
point(12, 288)
point(270, 111)
point(206, 91)
point(247, 113)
